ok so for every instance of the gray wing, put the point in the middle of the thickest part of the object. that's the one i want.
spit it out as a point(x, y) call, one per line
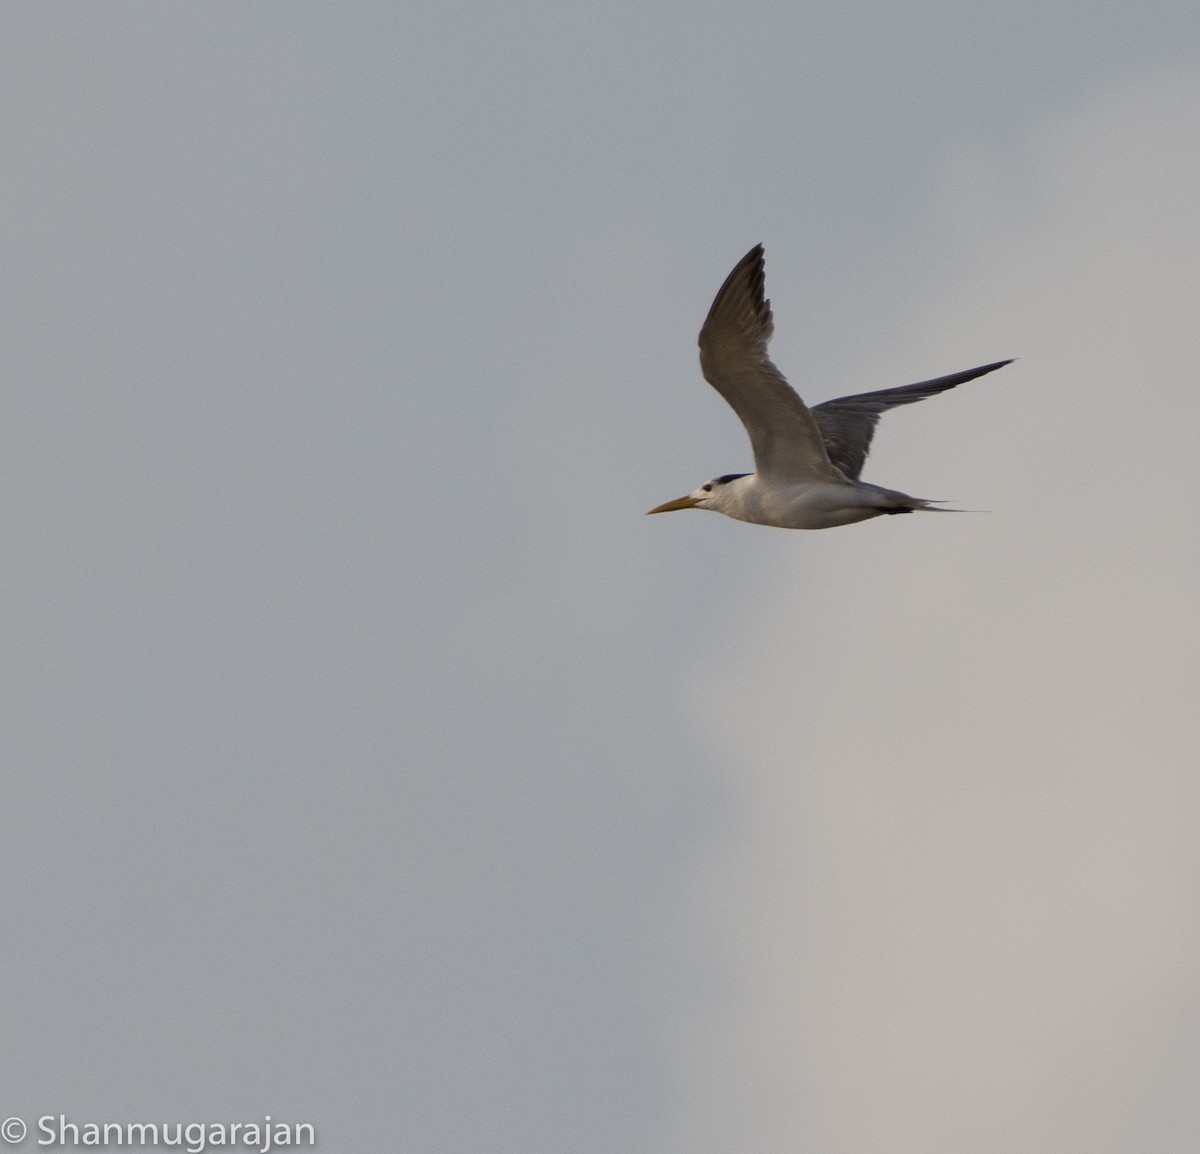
point(848, 423)
point(733, 357)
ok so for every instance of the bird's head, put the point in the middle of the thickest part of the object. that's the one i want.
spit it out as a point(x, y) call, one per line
point(710, 495)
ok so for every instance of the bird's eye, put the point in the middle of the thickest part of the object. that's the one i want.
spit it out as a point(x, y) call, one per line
point(706, 488)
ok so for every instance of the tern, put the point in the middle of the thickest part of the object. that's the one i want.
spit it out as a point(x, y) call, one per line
point(807, 461)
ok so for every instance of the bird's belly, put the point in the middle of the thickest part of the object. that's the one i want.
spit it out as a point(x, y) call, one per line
point(811, 505)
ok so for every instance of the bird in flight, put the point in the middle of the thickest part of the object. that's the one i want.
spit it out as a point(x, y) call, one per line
point(807, 461)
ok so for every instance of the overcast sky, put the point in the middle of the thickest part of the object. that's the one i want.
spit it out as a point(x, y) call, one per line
point(371, 759)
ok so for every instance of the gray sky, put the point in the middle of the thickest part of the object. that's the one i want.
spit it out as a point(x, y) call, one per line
point(373, 761)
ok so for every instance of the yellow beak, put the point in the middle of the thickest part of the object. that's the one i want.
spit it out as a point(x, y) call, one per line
point(671, 506)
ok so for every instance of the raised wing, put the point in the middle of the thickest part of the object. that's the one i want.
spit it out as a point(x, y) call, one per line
point(733, 357)
point(848, 423)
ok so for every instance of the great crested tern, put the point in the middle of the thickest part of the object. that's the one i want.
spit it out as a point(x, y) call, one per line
point(806, 461)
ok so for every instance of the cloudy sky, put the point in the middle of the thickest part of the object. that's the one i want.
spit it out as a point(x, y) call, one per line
point(372, 761)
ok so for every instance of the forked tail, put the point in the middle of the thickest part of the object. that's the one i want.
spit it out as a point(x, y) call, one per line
point(923, 505)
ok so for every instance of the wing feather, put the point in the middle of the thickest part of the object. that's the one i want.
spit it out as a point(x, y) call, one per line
point(733, 357)
point(848, 423)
